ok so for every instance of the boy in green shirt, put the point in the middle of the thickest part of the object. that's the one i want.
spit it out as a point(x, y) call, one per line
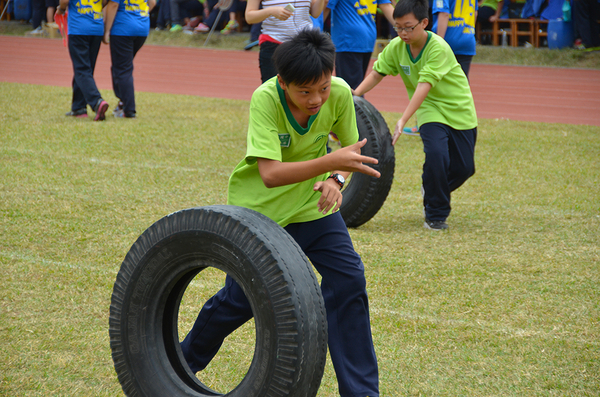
point(440, 95)
point(288, 176)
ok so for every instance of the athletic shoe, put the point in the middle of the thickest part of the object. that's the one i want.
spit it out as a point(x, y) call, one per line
point(80, 113)
point(118, 109)
point(202, 28)
point(414, 131)
point(101, 110)
point(176, 28)
point(435, 225)
point(250, 45)
point(231, 26)
point(195, 21)
point(123, 115)
point(36, 31)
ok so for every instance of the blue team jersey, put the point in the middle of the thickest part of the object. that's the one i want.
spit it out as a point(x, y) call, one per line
point(132, 19)
point(353, 24)
point(85, 18)
point(461, 26)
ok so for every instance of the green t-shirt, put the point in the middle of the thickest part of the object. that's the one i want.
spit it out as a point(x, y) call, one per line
point(274, 134)
point(490, 3)
point(449, 101)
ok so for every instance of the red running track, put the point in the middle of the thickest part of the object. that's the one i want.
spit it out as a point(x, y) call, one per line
point(552, 95)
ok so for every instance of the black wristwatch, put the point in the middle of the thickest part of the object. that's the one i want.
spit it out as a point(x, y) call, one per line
point(338, 178)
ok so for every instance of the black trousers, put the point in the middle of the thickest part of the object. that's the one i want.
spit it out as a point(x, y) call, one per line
point(352, 66)
point(84, 52)
point(265, 60)
point(449, 162)
point(585, 18)
point(122, 51)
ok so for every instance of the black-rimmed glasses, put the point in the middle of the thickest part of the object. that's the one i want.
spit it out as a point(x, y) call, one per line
point(407, 30)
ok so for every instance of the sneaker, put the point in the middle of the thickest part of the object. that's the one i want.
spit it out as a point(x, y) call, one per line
point(101, 110)
point(231, 26)
point(176, 28)
point(195, 21)
point(250, 45)
point(201, 28)
point(122, 115)
point(36, 31)
point(77, 113)
point(118, 109)
point(414, 131)
point(435, 225)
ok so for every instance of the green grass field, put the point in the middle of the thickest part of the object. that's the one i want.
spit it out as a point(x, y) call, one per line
point(505, 304)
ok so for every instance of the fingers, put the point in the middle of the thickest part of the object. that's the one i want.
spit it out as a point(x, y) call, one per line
point(395, 137)
point(331, 197)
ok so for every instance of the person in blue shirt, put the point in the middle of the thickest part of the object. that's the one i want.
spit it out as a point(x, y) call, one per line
point(353, 32)
point(454, 21)
point(86, 26)
point(126, 29)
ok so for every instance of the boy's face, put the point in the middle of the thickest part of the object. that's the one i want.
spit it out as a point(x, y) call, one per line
point(409, 28)
point(308, 98)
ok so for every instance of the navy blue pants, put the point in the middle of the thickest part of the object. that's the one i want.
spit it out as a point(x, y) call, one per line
point(265, 60)
point(327, 244)
point(84, 53)
point(122, 51)
point(352, 66)
point(449, 162)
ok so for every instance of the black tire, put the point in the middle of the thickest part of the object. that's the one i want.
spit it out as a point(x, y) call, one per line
point(289, 313)
point(364, 195)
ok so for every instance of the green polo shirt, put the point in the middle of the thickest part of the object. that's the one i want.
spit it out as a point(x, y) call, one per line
point(450, 100)
point(274, 134)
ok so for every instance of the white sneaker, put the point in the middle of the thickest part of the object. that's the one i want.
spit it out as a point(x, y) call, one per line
point(38, 30)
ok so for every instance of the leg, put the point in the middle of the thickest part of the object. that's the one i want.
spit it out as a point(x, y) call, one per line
point(38, 13)
point(436, 197)
point(265, 60)
point(220, 316)
point(465, 63)
point(350, 66)
point(122, 52)
point(585, 19)
point(327, 244)
point(461, 146)
point(84, 52)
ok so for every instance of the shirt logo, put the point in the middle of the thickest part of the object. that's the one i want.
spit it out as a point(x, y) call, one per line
point(405, 69)
point(284, 140)
point(317, 139)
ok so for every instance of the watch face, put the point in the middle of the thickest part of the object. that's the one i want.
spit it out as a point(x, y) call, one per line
point(341, 178)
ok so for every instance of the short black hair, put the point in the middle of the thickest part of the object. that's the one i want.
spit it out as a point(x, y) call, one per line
point(418, 7)
point(305, 58)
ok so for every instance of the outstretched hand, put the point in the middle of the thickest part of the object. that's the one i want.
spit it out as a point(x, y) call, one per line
point(398, 131)
point(349, 159)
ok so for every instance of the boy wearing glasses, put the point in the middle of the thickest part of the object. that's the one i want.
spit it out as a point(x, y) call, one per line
point(440, 95)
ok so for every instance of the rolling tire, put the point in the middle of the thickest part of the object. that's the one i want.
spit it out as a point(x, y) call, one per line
point(272, 270)
point(363, 195)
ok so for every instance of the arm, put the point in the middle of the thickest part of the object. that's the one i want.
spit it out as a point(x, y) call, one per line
point(442, 23)
point(109, 18)
point(255, 15)
point(316, 7)
point(388, 11)
point(151, 5)
point(496, 16)
point(348, 159)
point(416, 101)
point(62, 7)
point(368, 83)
